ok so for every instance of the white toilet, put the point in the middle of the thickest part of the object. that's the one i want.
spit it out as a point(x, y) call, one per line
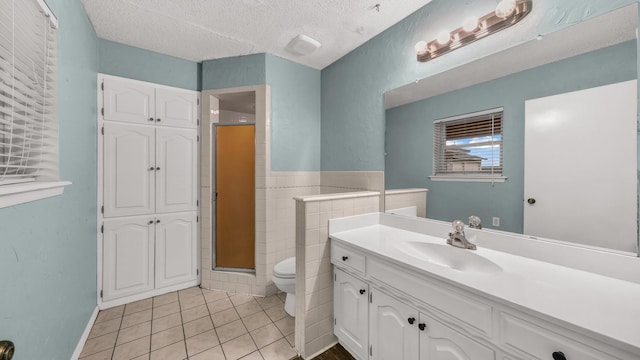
point(284, 276)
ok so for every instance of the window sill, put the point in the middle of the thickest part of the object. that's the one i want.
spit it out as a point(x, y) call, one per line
point(21, 193)
point(469, 178)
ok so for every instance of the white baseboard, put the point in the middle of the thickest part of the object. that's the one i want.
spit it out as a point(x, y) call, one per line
point(85, 334)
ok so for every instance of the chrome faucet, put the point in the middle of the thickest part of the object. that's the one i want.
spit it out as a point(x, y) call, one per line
point(457, 237)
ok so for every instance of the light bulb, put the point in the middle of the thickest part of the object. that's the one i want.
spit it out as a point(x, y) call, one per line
point(505, 8)
point(470, 24)
point(443, 37)
point(421, 47)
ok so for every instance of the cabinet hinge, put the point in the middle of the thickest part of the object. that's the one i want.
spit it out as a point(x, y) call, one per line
point(197, 202)
point(335, 321)
point(102, 111)
point(102, 209)
point(370, 297)
point(102, 86)
point(102, 130)
point(197, 218)
point(197, 272)
point(101, 293)
point(198, 101)
point(370, 350)
point(198, 138)
point(335, 277)
point(102, 229)
point(198, 122)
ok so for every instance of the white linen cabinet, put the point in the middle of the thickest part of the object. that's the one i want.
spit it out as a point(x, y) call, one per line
point(147, 196)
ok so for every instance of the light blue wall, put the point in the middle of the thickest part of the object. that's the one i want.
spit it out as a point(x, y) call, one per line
point(295, 104)
point(234, 72)
point(48, 247)
point(295, 115)
point(139, 64)
point(353, 120)
point(409, 130)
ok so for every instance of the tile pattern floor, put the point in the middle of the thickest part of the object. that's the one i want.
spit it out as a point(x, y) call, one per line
point(194, 324)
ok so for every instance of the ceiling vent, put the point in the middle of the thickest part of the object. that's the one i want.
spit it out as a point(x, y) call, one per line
point(303, 45)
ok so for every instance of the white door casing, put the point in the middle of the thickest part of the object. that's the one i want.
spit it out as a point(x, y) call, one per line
point(580, 166)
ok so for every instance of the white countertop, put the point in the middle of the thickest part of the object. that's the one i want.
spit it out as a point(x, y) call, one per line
point(602, 305)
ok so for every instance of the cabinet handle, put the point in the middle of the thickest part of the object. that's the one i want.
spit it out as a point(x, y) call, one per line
point(558, 355)
point(157, 221)
point(411, 320)
point(151, 119)
point(150, 222)
point(362, 291)
point(422, 326)
point(345, 258)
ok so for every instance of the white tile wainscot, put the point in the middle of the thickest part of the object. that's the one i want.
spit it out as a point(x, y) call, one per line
point(404, 198)
point(314, 275)
point(542, 298)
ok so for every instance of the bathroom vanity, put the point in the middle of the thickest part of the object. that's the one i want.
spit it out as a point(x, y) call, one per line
point(400, 292)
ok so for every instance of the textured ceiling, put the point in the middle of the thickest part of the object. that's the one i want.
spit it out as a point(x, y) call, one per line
point(200, 30)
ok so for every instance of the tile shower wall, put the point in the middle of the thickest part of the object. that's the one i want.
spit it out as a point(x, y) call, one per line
point(314, 285)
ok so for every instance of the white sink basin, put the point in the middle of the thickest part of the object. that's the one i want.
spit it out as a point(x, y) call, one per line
point(449, 256)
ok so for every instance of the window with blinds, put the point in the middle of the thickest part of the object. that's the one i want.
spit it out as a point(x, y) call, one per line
point(469, 146)
point(28, 92)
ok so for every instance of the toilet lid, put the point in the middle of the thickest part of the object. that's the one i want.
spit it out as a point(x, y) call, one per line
point(285, 268)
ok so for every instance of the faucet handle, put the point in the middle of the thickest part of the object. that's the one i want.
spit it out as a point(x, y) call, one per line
point(475, 222)
point(458, 226)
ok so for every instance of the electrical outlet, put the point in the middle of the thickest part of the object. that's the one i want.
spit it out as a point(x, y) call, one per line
point(496, 221)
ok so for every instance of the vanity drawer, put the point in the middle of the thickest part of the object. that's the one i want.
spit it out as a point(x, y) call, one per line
point(540, 342)
point(342, 256)
point(476, 314)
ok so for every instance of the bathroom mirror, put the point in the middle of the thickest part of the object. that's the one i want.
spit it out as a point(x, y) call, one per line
point(592, 53)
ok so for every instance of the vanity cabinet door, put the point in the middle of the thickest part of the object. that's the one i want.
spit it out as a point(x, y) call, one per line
point(176, 108)
point(175, 251)
point(393, 329)
point(351, 311)
point(439, 342)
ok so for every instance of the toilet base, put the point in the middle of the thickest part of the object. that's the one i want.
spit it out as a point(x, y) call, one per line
point(290, 304)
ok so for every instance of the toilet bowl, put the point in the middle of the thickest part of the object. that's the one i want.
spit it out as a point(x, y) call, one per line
point(284, 277)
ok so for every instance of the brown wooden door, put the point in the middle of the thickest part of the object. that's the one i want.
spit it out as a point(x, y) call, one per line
point(235, 201)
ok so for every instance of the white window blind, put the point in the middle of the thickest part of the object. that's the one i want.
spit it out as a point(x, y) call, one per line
point(469, 146)
point(28, 92)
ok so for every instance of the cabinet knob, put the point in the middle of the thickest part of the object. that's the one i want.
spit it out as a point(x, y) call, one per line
point(158, 120)
point(422, 326)
point(7, 349)
point(558, 355)
point(150, 222)
point(531, 201)
point(151, 168)
point(151, 119)
point(362, 291)
point(345, 258)
point(158, 168)
point(157, 221)
point(411, 320)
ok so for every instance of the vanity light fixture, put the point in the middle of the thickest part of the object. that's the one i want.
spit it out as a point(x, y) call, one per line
point(507, 13)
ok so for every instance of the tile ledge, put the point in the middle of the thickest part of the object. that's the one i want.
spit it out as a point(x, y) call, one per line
point(336, 196)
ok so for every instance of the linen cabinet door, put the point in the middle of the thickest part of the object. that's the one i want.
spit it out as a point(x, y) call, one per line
point(439, 342)
point(129, 170)
point(127, 257)
point(351, 311)
point(176, 250)
point(128, 101)
point(176, 170)
point(393, 329)
point(177, 108)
